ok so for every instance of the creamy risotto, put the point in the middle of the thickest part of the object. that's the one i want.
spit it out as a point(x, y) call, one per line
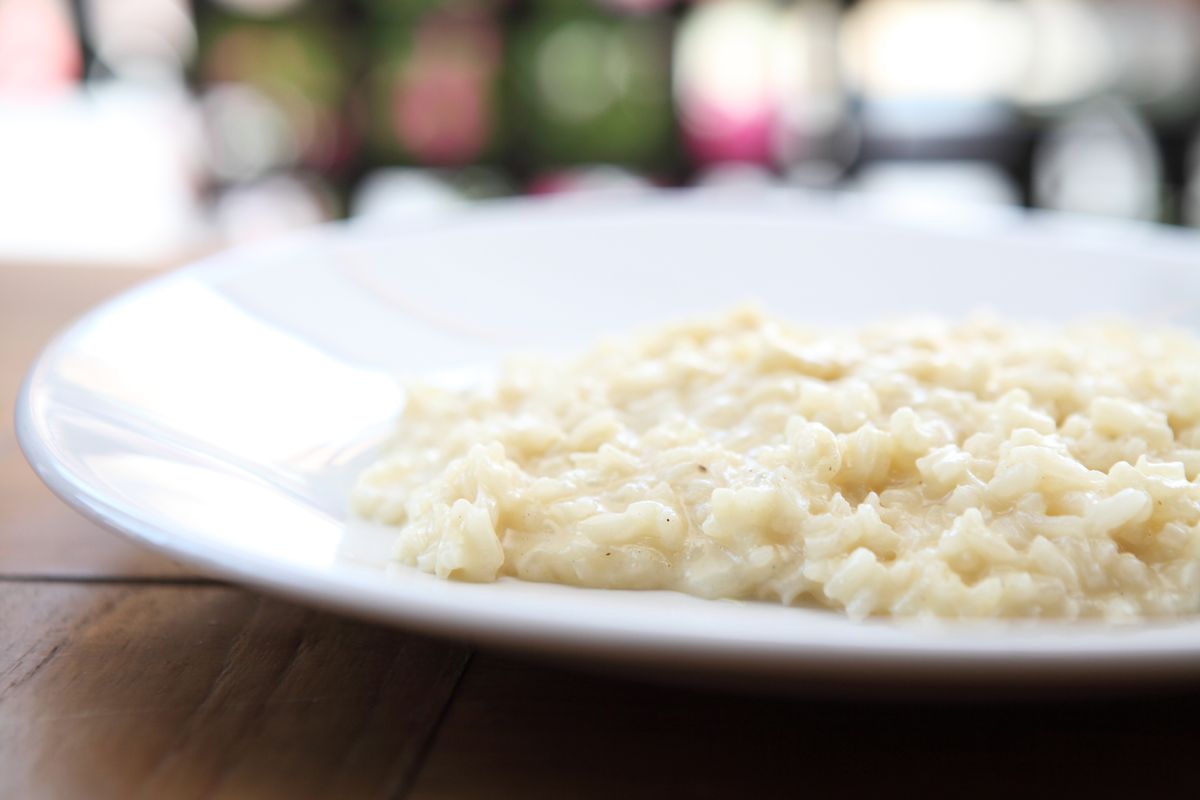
point(981, 469)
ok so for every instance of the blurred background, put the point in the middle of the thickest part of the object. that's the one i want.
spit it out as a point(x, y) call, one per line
point(145, 130)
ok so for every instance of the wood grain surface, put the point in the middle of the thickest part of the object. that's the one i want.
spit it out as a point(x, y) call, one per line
point(536, 731)
point(187, 691)
point(39, 535)
point(125, 676)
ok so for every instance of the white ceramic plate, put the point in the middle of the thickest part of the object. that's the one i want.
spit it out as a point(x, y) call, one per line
point(220, 413)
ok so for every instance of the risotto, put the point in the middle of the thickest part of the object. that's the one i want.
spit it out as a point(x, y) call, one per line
point(976, 469)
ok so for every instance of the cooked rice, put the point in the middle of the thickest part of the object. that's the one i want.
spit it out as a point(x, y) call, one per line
point(980, 469)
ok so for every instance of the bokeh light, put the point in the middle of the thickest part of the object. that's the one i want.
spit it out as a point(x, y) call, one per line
point(299, 67)
point(970, 49)
point(584, 87)
point(434, 87)
point(724, 83)
point(142, 39)
point(1100, 159)
point(395, 107)
point(38, 51)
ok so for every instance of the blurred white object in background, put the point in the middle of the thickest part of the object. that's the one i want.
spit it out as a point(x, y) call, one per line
point(735, 177)
point(1155, 46)
point(933, 69)
point(106, 175)
point(962, 49)
point(597, 179)
point(142, 40)
point(247, 134)
point(1071, 55)
point(396, 194)
point(936, 190)
point(1102, 160)
point(271, 206)
point(1083, 49)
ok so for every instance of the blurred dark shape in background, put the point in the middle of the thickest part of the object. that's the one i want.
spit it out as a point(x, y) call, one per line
point(146, 127)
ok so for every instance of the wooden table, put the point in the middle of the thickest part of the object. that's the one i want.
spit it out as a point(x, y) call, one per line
point(124, 675)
